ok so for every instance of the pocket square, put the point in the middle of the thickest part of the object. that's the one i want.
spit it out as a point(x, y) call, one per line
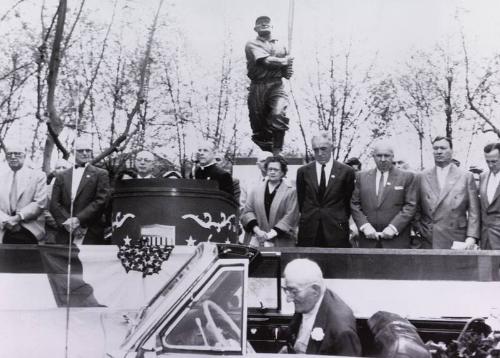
point(398, 187)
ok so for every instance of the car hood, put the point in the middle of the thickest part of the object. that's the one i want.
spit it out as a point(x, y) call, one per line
point(92, 332)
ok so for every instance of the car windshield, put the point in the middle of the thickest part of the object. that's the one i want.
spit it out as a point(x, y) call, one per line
point(203, 256)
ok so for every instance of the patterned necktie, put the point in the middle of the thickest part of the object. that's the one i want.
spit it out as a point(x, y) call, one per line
point(322, 182)
point(380, 188)
point(13, 194)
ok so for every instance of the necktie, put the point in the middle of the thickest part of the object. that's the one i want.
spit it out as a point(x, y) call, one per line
point(322, 182)
point(13, 194)
point(380, 188)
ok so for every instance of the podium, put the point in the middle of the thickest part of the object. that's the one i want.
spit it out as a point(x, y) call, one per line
point(172, 212)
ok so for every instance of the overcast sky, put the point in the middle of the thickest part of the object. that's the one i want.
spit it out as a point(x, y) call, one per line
point(392, 29)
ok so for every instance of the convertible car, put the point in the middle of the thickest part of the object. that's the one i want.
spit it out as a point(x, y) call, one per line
point(223, 300)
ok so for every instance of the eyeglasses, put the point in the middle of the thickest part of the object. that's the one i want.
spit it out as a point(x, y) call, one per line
point(15, 154)
point(143, 160)
point(84, 150)
point(293, 291)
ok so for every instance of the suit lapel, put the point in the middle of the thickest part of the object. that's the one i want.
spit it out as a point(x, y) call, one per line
point(259, 203)
point(391, 179)
point(450, 181)
point(88, 172)
point(497, 194)
point(280, 193)
point(371, 184)
point(314, 176)
point(331, 177)
point(22, 180)
point(319, 322)
point(432, 185)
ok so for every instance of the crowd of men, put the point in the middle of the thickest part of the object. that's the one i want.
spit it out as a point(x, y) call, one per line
point(328, 204)
point(443, 207)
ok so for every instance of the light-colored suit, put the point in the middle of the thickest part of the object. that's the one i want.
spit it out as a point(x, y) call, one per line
point(452, 214)
point(31, 199)
point(397, 206)
point(490, 216)
point(283, 214)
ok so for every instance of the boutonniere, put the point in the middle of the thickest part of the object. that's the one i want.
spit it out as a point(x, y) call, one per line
point(317, 334)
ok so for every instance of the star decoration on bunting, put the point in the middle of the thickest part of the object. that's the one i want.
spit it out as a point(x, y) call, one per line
point(143, 257)
point(190, 241)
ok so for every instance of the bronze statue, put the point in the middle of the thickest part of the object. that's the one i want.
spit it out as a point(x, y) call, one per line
point(267, 64)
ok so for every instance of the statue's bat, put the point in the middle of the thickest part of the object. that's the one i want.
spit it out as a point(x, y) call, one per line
point(291, 9)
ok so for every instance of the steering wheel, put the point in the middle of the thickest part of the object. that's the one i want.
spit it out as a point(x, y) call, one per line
point(217, 332)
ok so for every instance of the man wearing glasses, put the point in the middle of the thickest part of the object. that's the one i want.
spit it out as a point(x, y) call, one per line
point(22, 201)
point(85, 187)
point(323, 324)
point(144, 164)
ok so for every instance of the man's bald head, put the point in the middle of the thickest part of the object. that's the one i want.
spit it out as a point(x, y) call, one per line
point(383, 154)
point(304, 284)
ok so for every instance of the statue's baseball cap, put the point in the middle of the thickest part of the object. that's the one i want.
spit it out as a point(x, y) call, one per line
point(263, 20)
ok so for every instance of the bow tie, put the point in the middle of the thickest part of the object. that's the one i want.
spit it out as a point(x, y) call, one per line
point(79, 166)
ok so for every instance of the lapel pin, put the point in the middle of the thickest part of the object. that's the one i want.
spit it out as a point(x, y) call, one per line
point(88, 176)
point(332, 176)
point(388, 184)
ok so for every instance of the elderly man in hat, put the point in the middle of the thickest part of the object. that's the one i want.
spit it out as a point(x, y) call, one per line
point(267, 64)
point(78, 199)
point(22, 200)
point(323, 323)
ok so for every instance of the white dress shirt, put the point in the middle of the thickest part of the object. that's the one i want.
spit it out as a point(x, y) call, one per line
point(441, 174)
point(149, 176)
point(491, 188)
point(328, 170)
point(306, 327)
point(76, 179)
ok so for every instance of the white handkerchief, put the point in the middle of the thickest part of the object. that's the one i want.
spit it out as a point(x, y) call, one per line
point(458, 245)
point(399, 187)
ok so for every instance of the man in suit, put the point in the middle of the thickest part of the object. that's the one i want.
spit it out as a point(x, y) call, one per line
point(209, 170)
point(144, 164)
point(22, 200)
point(78, 199)
point(384, 202)
point(324, 189)
point(449, 204)
point(323, 324)
point(490, 198)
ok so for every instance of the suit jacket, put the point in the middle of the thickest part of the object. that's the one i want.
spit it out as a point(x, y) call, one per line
point(283, 214)
point(31, 199)
point(397, 206)
point(332, 211)
point(338, 324)
point(490, 216)
point(89, 203)
point(213, 172)
point(451, 214)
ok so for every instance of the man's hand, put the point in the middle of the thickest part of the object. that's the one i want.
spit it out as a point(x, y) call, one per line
point(71, 224)
point(388, 233)
point(470, 243)
point(283, 350)
point(370, 232)
point(11, 221)
point(261, 235)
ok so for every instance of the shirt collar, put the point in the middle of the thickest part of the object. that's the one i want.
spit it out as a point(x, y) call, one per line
point(312, 313)
point(260, 38)
point(206, 166)
point(329, 163)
